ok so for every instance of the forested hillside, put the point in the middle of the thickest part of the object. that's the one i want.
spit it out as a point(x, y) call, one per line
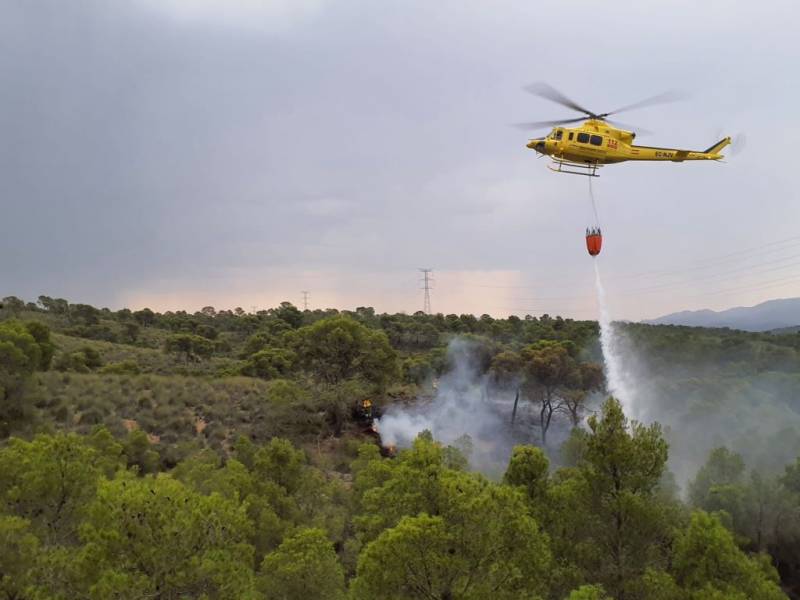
point(223, 454)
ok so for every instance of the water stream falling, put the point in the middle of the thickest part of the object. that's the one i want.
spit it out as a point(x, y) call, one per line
point(616, 380)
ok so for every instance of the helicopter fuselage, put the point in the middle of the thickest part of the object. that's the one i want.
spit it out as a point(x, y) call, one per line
point(596, 142)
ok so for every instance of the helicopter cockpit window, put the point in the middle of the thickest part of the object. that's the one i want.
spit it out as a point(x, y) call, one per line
point(583, 138)
point(556, 135)
point(597, 140)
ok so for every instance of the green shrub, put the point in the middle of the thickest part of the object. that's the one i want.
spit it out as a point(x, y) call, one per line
point(124, 367)
point(269, 363)
point(92, 416)
point(82, 361)
point(72, 361)
point(140, 454)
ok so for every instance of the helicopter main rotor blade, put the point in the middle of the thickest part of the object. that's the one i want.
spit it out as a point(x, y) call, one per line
point(633, 128)
point(548, 92)
point(664, 98)
point(541, 124)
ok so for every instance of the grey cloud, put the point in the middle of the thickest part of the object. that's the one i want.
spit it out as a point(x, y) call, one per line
point(142, 145)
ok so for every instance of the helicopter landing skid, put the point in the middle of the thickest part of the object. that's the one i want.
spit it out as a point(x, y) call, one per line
point(588, 169)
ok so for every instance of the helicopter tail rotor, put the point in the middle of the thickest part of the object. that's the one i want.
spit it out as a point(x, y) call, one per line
point(738, 144)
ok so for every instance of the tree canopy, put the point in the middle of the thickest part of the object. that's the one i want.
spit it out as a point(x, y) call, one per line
point(232, 454)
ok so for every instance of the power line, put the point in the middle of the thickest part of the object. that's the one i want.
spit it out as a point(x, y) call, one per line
point(722, 276)
point(427, 280)
point(729, 274)
point(751, 266)
point(713, 261)
point(753, 287)
point(754, 255)
point(305, 299)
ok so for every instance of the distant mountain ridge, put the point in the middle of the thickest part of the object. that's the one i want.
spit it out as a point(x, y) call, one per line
point(782, 313)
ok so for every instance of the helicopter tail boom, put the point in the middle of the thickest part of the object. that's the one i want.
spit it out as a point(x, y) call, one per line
point(677, 155)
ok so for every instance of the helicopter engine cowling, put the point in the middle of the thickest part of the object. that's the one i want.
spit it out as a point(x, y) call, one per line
point(626, 137)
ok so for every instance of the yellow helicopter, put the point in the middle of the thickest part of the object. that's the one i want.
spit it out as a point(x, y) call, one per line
point(584, 149)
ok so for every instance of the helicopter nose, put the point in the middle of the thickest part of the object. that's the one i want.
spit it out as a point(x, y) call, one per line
point(537, 144)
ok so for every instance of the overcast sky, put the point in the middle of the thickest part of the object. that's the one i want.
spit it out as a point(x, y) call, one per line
point(180, 153)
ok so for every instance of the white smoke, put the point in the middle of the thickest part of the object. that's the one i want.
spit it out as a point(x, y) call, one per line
point(464, 403)
point(620, 382)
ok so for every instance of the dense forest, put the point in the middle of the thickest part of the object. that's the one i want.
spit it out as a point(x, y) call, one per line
point(226, 454)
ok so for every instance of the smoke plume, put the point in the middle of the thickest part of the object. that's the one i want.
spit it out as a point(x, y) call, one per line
point(465, 403)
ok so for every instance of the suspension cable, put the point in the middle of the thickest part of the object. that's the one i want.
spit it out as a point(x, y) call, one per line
point(594, 204)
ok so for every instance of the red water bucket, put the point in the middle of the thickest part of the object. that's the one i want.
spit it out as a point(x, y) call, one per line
point(594, 241)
